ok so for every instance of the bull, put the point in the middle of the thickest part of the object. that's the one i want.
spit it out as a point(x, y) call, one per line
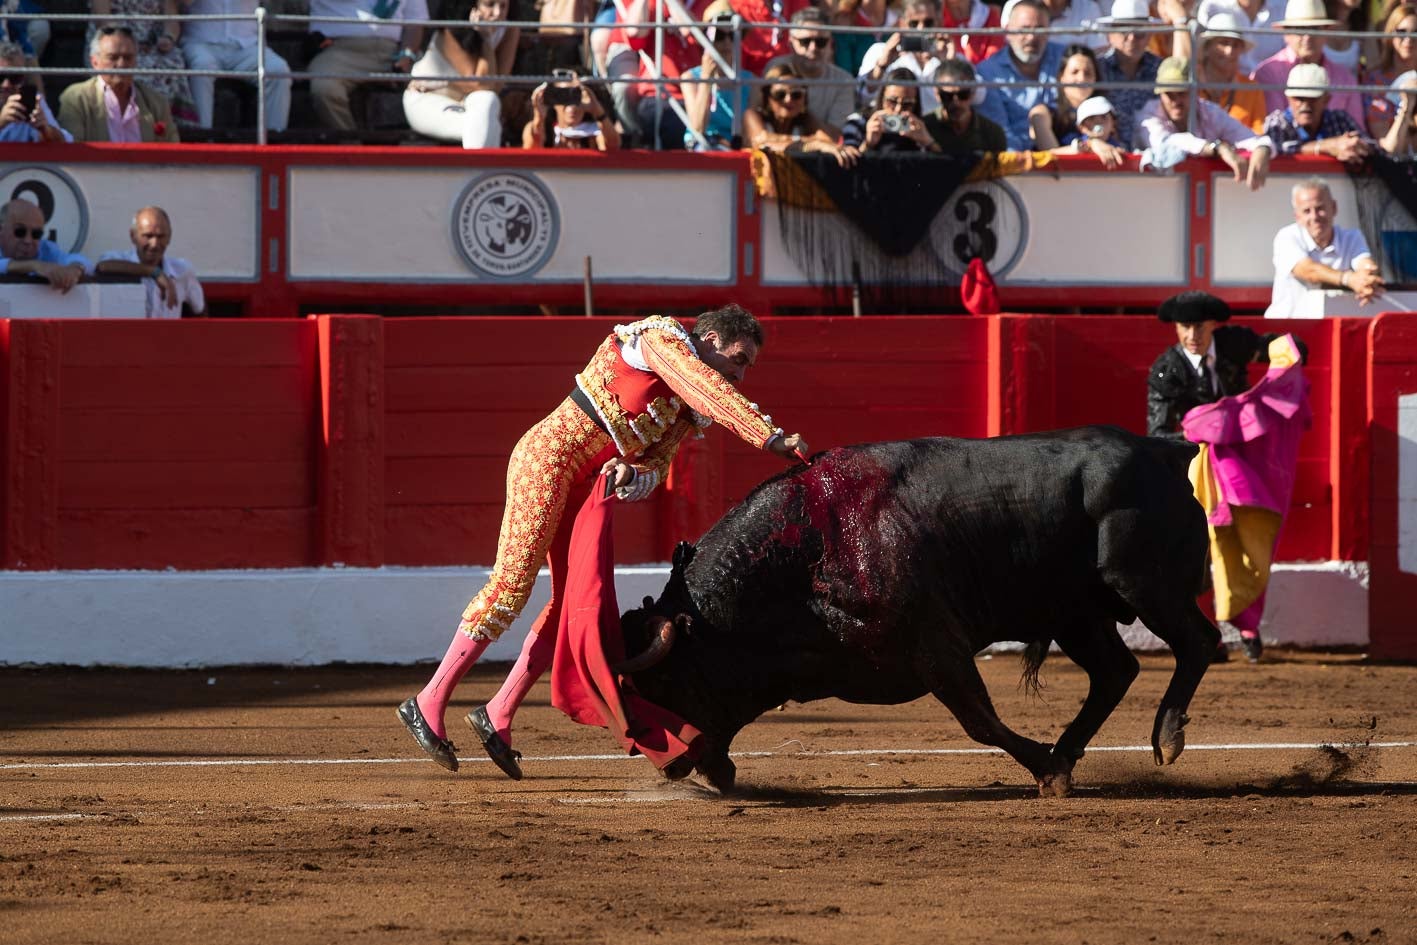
point(877, 572)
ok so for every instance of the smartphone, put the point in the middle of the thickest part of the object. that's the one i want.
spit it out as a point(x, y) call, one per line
point(913, 42)
point(28, 95)
point(562, 95)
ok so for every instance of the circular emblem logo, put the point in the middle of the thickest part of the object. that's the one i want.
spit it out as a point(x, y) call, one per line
point(505, 225)
point(987, 220)
point(66, 213)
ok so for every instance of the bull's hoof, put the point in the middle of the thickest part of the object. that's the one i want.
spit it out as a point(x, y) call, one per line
point(1057, 784)
point(720, 773)
point(1169, 738)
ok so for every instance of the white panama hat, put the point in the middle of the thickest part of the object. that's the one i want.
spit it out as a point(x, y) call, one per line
point(1225, 25)
point(1306, 80)
point(1128, 11)
point(1306, 13)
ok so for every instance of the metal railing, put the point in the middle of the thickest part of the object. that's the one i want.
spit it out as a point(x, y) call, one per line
point(731, 66)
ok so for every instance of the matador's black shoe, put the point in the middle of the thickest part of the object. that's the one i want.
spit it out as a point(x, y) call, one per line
point(502, 754)
point(439, 749)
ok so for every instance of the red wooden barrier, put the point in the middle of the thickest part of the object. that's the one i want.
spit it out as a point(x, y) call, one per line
point(1392, 592)
point(356, 440)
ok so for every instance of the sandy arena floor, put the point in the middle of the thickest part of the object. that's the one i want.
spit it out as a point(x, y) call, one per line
point(290, 806)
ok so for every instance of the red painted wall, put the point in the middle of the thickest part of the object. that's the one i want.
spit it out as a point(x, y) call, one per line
point(1392, 592)
point(364, 441)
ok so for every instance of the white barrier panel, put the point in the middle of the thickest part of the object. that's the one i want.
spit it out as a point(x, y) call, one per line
point(87, 300)
point(307, 617)
point(1245, 222)
point(215, 209)
point(1120, 229)
point(477, 225)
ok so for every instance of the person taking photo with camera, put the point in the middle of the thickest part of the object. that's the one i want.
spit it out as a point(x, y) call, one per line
point(24, 115)
point(567, 114)
point(892, 120)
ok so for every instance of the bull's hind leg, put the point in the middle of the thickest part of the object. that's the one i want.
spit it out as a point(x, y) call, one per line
point(1097, 648)
point(962, 691)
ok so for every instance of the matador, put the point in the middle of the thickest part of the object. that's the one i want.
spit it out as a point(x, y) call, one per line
point(649, 385)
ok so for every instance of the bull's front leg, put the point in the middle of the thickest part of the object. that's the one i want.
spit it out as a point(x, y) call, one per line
point(1098, 649)
point(963, 693)
point(1193, 640)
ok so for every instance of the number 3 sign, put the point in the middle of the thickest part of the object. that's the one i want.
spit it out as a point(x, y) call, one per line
point(985, 220)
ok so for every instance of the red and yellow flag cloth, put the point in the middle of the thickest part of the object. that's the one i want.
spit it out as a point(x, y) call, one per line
point(1244, 477)
point(588, 644)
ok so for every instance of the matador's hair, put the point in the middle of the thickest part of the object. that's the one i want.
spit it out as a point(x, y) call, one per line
point(730, 322)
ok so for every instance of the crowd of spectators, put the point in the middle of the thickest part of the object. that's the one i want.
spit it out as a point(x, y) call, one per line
point(1116, 76)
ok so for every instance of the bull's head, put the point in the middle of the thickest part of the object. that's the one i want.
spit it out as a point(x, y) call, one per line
point(663, 659)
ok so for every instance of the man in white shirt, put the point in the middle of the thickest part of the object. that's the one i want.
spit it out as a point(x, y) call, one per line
point(170, 282)
point(883, 58)
point(231, 45)
point(381, 43)
point(1313, 254)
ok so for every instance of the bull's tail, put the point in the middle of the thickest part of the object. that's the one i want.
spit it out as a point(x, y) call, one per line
point(1033, 656)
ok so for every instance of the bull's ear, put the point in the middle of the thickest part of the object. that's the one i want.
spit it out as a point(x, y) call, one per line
point(683, 554)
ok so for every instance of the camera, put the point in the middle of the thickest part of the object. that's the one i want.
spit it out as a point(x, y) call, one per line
point(895, 124)
point(563, 95)
point(913, 42)
point(28, 95)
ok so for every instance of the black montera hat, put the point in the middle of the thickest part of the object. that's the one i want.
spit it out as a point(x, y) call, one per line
point(1189, 307)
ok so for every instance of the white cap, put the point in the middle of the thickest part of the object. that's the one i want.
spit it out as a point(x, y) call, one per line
point(1306, 80)
point(1092, 107)
point(1128, 11)
point(1225, 24)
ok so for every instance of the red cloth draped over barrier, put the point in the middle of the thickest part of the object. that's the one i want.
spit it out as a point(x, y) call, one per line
point(588, 644)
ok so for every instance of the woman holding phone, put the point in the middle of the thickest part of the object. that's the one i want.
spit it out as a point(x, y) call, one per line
point(467, 110)
point(567, 114)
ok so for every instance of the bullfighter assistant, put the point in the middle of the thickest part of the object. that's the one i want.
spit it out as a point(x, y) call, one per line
point(649, 385)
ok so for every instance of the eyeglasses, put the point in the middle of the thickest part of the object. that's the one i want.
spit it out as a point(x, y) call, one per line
point(895, 102)
point(919, 24)
point(110, 30)
point(35, 232)
point(815, 42)
point(787, 95)
point(961, 95)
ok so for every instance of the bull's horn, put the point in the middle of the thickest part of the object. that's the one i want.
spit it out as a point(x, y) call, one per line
point(657, 650)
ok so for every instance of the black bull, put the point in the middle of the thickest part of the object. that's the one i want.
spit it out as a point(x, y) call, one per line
point(876, 574)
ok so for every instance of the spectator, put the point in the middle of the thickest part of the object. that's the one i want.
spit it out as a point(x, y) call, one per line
point(23, 118)
point(171, 283)
point(1079, 14)
point(25, 251)
point(890, 55)
point(1397, 53)
point(761, 45)
point(113, 107)
point(1309, 126)
point(850, 48)
point(469, 111)
point(1180, 14)
point(783, 122)
point(835, 99)
point(383, 42)
point(158, 52)
point(1256, 16)
point(581, 121)
point(231, 45)
point(1054, 125)
point(1349, 16)
point(712, 107)
point(1164, 125)
point(1301, 48)
point(891, 122)
point(956, 125)
point(1127, 61)
point(1096, 133)
point(1028, 57)
point(1313, 254)
point(975, 14)
point(1223, 47)
point(1398, 138)
point(30, 35)
point(648, 109)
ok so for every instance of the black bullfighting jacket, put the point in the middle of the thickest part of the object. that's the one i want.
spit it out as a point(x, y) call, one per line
point(1174, 387)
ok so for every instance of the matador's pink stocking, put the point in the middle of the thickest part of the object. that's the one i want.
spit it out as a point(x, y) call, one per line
point(433, 700)
point(535, 659)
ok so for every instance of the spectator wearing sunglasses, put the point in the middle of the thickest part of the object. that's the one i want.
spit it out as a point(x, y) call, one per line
point(782, 121)
point(956, 126)
point(892, 121)
point(898, 52)
point(171, 283)
point(25, 251)
point(835, 99)
point(1027, 58)
point(18, 123)
point(113, 107)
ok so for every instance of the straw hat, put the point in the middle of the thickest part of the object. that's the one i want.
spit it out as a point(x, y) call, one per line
point(1173, 75)
point(1306, 13)
point(1225, 25)
point(1306, 80)
point(1128, 11)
